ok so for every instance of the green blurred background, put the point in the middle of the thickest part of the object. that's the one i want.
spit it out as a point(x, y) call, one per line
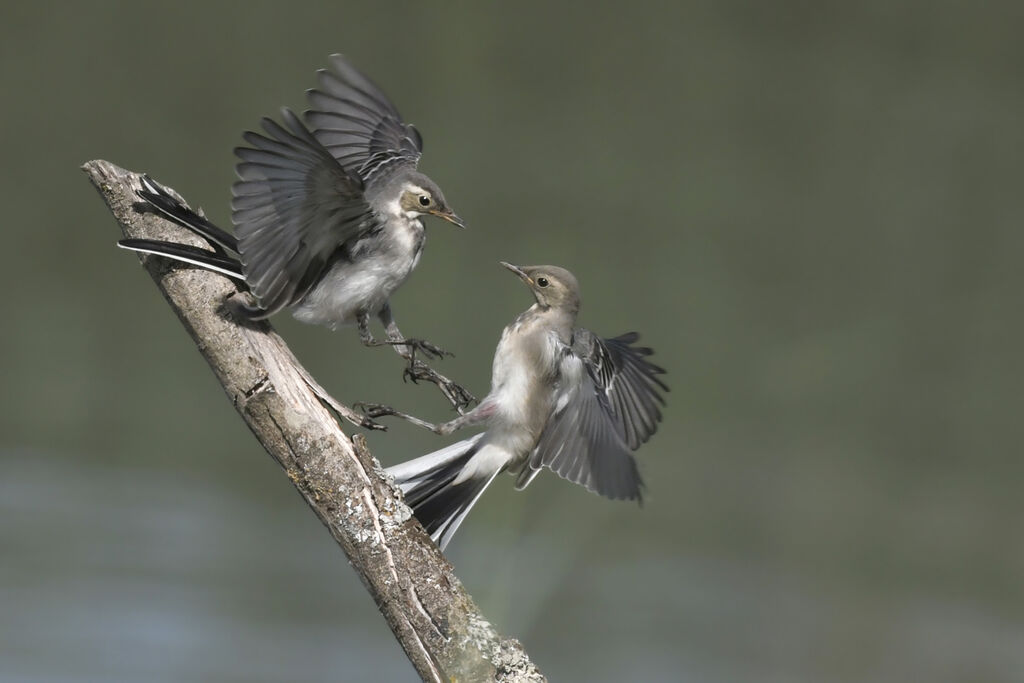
point(811, 210)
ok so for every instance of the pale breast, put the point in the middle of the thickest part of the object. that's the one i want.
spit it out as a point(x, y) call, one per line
point(524, 363)
point(367, 280)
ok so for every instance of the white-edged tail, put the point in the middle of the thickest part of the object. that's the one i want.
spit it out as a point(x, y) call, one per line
point(185, 253)
point(221, 259)
point(429, 484)
point(168, 206)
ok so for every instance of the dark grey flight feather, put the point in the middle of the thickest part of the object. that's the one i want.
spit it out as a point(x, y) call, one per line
point(606, 405)
point(628, 380)
point(581, 441)
point(357, 123)
point(293, 208)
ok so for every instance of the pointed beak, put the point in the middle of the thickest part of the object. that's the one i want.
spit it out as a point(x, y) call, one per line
point(518, 271)
point(450, 217)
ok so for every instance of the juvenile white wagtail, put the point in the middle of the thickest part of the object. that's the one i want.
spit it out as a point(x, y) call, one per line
point(561, 397)
point(327, 215)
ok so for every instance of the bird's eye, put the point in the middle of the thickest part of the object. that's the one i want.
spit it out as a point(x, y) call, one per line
point(542, 282)
point(424, 200)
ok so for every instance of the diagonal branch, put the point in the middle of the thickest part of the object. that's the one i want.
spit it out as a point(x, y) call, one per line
point(434, 619)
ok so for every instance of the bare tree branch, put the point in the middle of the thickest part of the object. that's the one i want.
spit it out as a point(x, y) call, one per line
point(434, 619)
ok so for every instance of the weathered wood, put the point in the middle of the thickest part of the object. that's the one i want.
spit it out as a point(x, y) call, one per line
point(432, 616)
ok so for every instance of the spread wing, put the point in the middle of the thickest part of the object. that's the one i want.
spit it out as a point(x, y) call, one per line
point(359, 125)
point(629, 382)
point(292, 209)
point(606, 405)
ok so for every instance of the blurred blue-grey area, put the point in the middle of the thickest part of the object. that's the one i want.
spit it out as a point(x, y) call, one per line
point(812, 211)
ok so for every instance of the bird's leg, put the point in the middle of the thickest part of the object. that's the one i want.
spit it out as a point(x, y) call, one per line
point(457, 395)
point(479, 414)
point(406, 348)
point(363, 323)
point(417, 370)
point(358, 419)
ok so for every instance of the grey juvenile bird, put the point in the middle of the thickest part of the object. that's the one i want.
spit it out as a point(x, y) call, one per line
point(327, 215)
point(561, 397)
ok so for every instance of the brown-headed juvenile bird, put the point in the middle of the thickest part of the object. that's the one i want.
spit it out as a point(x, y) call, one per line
point(561, 398)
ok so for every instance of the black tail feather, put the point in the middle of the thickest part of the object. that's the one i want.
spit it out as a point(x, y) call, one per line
point(211, 260)
point(442, 512)
point(168, 206)
point(428, 484)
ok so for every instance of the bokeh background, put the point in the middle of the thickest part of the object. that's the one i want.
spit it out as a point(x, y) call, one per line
point(811, 210)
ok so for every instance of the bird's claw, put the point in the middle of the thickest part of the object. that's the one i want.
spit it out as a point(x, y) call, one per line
point(426, 348)
point(368, 423)
point(414, 372)
point(374, 410)
point(458, 396)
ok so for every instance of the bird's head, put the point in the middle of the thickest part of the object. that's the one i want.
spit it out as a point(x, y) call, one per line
point(552, 287)
point(421, 196)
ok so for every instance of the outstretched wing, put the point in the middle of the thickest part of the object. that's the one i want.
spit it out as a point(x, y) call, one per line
point(628, 380)
point(580, 441)
point(359, 125)
point(292, 209)
point(606, 405)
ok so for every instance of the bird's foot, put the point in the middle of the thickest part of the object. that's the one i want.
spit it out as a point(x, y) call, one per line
point(371, 411)
point(457, 395)
point(409, 347)
point(428, 349)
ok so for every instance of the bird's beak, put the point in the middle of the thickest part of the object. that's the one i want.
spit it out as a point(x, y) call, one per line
point(518, 271)
point(449, 216)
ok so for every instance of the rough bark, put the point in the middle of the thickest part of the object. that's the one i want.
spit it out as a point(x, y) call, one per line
point(432, 616)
